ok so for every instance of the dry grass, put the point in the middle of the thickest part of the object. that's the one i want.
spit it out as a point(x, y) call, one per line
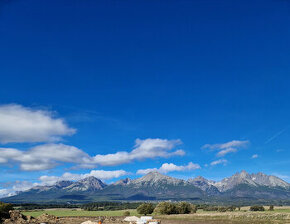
point(233, 217)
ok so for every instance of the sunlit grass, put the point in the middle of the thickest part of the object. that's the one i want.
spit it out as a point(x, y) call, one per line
point(73, 212)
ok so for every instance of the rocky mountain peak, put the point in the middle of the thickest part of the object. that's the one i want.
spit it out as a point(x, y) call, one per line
point(90, 183)
point(269, 180)
point(258, 179)
point(156, 178)
point(123, 181)
point(200, 178)
point(63, 183)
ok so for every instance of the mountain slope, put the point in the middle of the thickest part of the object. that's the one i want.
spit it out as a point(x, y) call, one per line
point(156, 186)
point(253, 180)
point(87, 184)
point(205, 185)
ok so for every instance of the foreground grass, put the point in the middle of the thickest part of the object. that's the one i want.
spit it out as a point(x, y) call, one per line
point(72, 212)
point(281, 215)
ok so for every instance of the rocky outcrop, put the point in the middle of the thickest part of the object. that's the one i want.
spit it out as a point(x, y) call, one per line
point(17, 218)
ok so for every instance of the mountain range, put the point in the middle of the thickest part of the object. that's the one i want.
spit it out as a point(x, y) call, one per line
point(156, 186)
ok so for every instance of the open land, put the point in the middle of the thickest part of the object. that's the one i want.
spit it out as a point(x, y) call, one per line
point(281, 215)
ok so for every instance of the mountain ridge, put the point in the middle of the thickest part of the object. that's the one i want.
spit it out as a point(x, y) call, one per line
point(157, 186)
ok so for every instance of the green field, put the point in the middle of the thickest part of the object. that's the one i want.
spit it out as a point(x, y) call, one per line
point(72, 212)
point(78, 212)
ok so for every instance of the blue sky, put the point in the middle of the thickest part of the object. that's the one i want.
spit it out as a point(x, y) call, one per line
point(91, 77)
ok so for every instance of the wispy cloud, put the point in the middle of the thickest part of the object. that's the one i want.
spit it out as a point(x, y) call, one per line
point(23, 124)
point(276, 135)
point(170, 167)
point(255, 156)
point(225, 148)
point(220, 161)
point(282, 176)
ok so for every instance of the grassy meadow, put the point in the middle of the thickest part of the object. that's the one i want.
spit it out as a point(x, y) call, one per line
point(78, 212)
point(279, 215)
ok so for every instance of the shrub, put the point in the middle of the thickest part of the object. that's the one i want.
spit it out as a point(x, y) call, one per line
point(193, 208)
point(222, 209)
point(183, 208)
point(271, 208)
point(145, 208)
point(166, 208)
point(126, 213)
point(4, 210)
point(257, 208)
point(210, 208)
point(231, 208)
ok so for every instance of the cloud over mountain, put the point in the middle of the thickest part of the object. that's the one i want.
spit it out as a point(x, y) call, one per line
point(143, 149)
point(100, 174)
point(47, 156)
point(170, 167)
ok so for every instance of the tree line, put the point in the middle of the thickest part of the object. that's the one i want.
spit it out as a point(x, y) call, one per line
point(109, 206)
point(168, 208)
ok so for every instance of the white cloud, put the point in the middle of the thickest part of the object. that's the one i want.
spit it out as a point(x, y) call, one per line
point(143, 149)
point(228, 147)
point(23, 124)
point(255, 156)
point(283, 177)
point(16, 187)
point(170, 167)
point(47, 156)
point(5, 193)
point(226, 151)
point(43, 157)
point(220, 161)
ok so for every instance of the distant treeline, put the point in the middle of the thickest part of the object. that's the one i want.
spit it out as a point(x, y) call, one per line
point(29, 206)
point(93, 206)
point(110, 206)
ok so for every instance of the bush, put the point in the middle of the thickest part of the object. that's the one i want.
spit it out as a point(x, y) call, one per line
point(193, 208)
point(271, 208)
point(126, 213)
point(145, 208)
point(4, 210)
point(257, 208)
point(210, 208)
point(166, 208)
point(222, 209)
point(231, 208)
point(183, 208)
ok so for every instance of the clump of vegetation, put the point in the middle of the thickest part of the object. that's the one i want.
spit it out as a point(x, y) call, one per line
point(126, 213)
point(257, 208)
point(183, 208)
point(4, 210)
point(145, 208)
point(271, 208)
point(166, 208)
point(210, 208)
point(193, 208)
point(109, 206)
point(219, 208)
